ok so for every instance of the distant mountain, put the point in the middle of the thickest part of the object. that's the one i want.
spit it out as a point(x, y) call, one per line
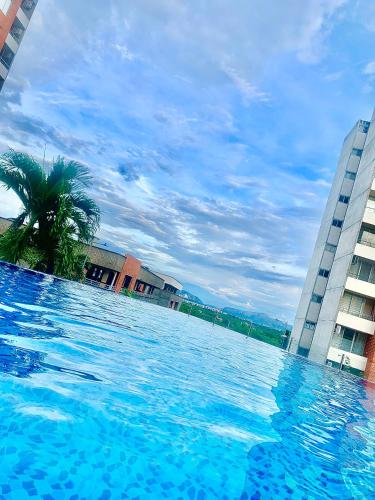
point(258, 318)
point(189, 296)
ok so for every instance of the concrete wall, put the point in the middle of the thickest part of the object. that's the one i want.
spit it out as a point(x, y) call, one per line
point(105, 258)
point(345, 250)
point(131, 267)
point(150, 278)
point(161, 298)
point(322, 258)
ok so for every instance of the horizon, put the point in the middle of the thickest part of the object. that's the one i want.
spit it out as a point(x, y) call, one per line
point(212, 140)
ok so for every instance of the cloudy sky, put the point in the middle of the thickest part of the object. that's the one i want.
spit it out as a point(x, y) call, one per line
point(212, 128)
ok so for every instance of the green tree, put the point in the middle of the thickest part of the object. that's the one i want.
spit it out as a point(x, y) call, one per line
point(57, 217)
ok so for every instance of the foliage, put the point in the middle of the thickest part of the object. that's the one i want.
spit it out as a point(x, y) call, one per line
point(57, 215)
point(231, 322)
point(128, 293)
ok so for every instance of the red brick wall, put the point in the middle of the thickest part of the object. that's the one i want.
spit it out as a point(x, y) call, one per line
point(7, 21)
point(131, 267)
point(370, 354)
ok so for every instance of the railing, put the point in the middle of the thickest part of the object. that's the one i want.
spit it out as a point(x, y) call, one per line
point(98, 284)
point(356, 275)
point(369, 243)
point(358, 314)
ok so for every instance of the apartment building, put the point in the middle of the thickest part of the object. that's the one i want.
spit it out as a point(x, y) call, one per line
point(335, 320)
point(15, 16)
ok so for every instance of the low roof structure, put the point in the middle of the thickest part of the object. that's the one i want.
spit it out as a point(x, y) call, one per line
point(168, 280)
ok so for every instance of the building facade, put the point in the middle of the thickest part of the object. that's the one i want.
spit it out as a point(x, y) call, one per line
point(110, 269)
point(15, 16)
point(107, 267)
point(335, 320)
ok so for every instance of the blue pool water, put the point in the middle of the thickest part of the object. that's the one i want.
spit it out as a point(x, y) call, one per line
point(107, 397)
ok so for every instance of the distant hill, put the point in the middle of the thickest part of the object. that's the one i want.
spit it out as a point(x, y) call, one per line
point(258, 318)
point(189, 296)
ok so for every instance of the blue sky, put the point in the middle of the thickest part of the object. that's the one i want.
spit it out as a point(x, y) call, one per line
point(212, 128)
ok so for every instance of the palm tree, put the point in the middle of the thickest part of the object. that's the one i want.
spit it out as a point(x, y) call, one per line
point(57, 215)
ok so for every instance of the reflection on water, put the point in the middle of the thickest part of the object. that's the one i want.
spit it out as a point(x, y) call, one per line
point(104, 396)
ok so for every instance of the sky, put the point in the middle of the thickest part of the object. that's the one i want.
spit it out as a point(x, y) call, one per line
point(212, 128)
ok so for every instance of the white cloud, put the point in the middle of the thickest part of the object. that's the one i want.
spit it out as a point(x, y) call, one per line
point(124, 52)
point(369, 69)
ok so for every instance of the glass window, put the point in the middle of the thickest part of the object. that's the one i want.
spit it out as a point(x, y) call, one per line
point(316, 298)
point(347, 339)
point(28, 7)
point(350, 175)
point(310, 325)
point(365, 269)
point(6, 56)
point(357, 152)
point(337, 222)
point(343, 198)
point(367, 236)
point(358, 346)
point(337, 338)
point(330, 248)
point(323, 272)
point(4, 5)
point(17, 30)
point(363, 126)
point(371, 202)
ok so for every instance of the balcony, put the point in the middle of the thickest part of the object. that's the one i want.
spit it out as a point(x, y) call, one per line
point(369, 216)
point(361, 322)
point(359, 286)
point(353, 360)
point(361, 277)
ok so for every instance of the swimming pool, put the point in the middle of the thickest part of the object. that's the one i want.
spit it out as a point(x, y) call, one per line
point(108, 397)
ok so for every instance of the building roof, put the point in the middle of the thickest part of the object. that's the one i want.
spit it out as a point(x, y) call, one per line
point(169, 280)
point(104, 245)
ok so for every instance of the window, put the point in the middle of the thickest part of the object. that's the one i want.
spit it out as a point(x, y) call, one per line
point(17, 30)
point(330, 248)
point(350, 175)
point(337, 222)
point(344, 199)
point(349, 340)
point(357, 152)
point(363, 126)
point(367, 236)
point(362, 269)
point(6, 56)
point(310, 325)
point(357, 305)
point(28, 7)
point(4, 6)
point(323, 272)
point(316, 298)
point(302, 351)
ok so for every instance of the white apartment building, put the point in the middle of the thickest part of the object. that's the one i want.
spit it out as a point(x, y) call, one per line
point(335, 320)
